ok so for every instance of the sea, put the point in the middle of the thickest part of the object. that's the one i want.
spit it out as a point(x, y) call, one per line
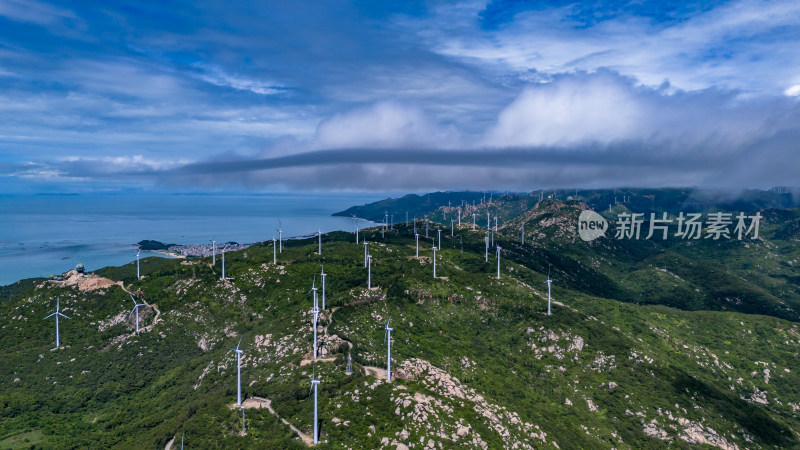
point(50, 234)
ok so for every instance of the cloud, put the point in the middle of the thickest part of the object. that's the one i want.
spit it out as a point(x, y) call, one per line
point(383, 125)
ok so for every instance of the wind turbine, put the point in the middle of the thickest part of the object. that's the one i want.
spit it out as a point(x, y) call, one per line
point(136, 309)
point(315, 314)
point(439, 230)
point(349, 370)
point(223, 262)
point(486, 239)
point(238, 373)
point(369, 271)
point(319, 235)
point(214, 252)
point(416, 235)
point(56, 314)
point(314, 384)
point(459, 215)
point(415, 225)
point(280, 235)
point(434, 261)
point(548, 281)
point(138, 250)
point(426, 226)
point(355, 224)
point(498, 262)
point(323, 287)
point(452, 229)
point(274, 251)
point(488, 221)
point(365, 253)
point(388, 339)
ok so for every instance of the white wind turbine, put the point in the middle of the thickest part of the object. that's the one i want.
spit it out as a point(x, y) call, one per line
point(434, 261)
point(280, 235)
point(548, 281)
point(498, 262)
point(315, 314)
point(274, 251)
point(223, 263)
point(355, 225)
point(416, 235)
point(365, 253)
point(486, 239)
point(56, 314)
point(459, 215)
point(238, 373)
point(319, 248)
point(349, 370)
point(314, 384)
point(439, 230)
point(213, 252)
point(452, 229)
point(136, 306)
point(323, 287)
point(388, 340)
point(369, 271)
point(138, 250)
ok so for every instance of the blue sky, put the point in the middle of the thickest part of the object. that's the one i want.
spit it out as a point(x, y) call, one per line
point(396, 95)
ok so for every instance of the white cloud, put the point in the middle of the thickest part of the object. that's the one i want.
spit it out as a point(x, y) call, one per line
point(218, 77)
point(793, 91)
point(383, 125)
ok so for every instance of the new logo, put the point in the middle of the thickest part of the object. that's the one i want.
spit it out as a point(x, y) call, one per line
point(591, 225)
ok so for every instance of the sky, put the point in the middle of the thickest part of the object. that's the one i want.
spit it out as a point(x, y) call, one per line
point(329, 96)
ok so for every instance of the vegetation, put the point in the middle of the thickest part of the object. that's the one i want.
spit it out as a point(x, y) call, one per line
point(651, 344)
point(153, 245)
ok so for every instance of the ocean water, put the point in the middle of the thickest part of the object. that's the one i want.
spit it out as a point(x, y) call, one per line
point(44, 234)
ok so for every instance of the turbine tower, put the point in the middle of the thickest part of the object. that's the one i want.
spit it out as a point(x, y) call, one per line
point(213, 252)
point(388, 340)
point(138, 250)
point(416, 235)
point(319, 248)
point(355, 225)
point(365, 253)
point(498, 262)
point(434, 261)
point(314, 384)
point(349, 370)
point(238, 373)
point(486, 239)
point(280, 235)
point(548, 290)
point(274, 251)
point(56, 314)
point(136, 309)
point(323, 287)
point(223, 262)
point(315, 314)
point(369, 271)
point(439, 230)
point(452, 229)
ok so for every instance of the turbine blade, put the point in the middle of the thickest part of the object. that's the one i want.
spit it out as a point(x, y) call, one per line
point(51, 315)
point(240, 343)
point(65, 316)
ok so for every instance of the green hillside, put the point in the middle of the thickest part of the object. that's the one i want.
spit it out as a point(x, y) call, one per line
point(651, 344)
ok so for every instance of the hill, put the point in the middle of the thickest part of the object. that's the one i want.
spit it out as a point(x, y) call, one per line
point(650, 344)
